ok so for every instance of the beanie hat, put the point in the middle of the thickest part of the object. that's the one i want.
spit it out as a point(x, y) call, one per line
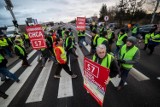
point(132, 39)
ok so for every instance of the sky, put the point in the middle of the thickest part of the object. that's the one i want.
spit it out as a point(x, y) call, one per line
point(51, 10)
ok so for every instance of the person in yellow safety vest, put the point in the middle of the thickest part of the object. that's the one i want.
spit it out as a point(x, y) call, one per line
point(71, 34)
point(18, 38)
point(135, 30)
point(110, 37)
point(4, 71)
point(27, 41)
point(94, 39)
point(21, 52)
point(69, 45)
point(61, 59)
point(129, 54)
point(63, 31)
point(105, 59)
point(50, 40)
point(122, 37)
point(101, 30)
point(153, 42)
point(103, 40)
point(4, 45)
point(81, 38)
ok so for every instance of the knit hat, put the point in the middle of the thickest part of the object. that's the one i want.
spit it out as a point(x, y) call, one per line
point(132, 39)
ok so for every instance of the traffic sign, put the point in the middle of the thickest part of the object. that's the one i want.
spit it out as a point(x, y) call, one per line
point(106, 18)
point(95, 77)
point(36, 36)
point(81, 23)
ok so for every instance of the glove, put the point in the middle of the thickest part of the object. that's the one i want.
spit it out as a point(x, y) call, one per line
point(121, 61)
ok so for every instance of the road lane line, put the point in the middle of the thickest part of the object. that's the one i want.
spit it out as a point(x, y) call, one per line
point(18, 65)
point(38, 90)
point(65, 84)
point(138, 75)
point(15, 87)
point(158, 78)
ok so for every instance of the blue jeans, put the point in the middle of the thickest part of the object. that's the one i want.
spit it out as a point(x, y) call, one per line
point(81, 40)
point(8, 52)
point(6, 72)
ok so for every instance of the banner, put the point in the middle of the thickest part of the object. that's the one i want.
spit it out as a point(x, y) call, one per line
point(81, 23)
point(36, 36)
point(94, 79)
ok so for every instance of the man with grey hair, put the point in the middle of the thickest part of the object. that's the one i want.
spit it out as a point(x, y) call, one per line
point(106, 60)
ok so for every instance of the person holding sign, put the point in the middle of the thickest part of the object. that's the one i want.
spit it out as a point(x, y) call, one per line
point(61, 58)
point(128, 55)
point(106, 60)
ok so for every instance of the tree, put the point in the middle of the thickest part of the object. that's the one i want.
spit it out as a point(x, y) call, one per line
point(155, 9)
point(103, 12)
point(134, 6)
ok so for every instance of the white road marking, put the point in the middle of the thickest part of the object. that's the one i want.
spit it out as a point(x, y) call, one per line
point(138, 75)
point(158, 78)
point(15, 87)
point(65, 84)
point(38, 90)
point(18, 65)
point(115, 81)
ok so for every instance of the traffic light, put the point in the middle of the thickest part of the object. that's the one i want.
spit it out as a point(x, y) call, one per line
point(15, 23)
point(9, 3)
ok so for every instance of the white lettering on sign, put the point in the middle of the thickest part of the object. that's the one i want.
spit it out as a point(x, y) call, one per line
point(94, 70)
point(34, 29)
point(35, 34)
point(81, 19)
point(37, 43)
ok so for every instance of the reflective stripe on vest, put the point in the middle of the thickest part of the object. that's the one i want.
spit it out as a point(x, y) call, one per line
point(21, 42)
point(119, 41)
point(95, 38)
point(156, 38)
point(1, 58)
point(3, 42)
point(63, 53)
point(134, 30)
point(106, 62)
point(20, 49)
point(101, 40)
point(66, 43)
point(26, 36)
point(110, 35)
point(147, 37)
point(127, 55)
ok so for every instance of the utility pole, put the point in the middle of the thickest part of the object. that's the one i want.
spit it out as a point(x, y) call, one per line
point(9, 7)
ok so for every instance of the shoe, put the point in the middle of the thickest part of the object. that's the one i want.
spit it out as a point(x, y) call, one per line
point(6, 79)
point(57, 76)
point(74, 76)
point(18, 81)
point(3, 95)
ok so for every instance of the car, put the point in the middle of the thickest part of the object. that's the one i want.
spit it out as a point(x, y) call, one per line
point(143, 30)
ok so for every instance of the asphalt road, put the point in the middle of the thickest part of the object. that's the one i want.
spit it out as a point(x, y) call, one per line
point(38, 87)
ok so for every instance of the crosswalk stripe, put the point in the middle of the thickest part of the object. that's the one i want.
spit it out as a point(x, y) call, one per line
point(38, 90)
point(138, 75)
point(65, 85)
point(15, 87)
point(115, 81)
point(18, 65)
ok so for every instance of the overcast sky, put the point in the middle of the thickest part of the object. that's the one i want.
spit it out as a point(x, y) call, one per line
point(51, 10)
